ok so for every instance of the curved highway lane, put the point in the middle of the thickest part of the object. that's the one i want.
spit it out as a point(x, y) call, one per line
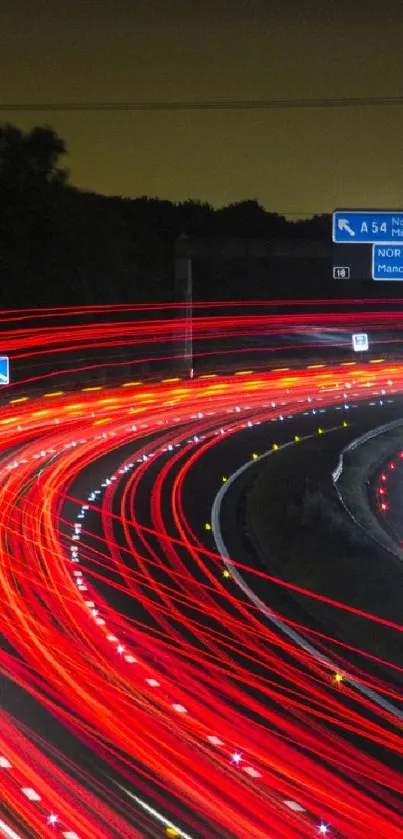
point(191, 700)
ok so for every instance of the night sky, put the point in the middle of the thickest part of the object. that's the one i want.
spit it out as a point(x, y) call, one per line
point(298, 161)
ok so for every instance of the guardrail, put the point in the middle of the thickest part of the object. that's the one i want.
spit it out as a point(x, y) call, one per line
point(336, 474)
point(359, 441)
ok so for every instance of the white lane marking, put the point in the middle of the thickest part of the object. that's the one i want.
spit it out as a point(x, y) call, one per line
point(252, 772)
point(4, 763)
point(158, 816)
point(215, 741)
point(265, 610)
point(30, 794)
point(293, 805)
point(8, 831)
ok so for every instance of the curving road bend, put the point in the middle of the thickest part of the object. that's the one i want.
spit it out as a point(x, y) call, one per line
point(120, 624)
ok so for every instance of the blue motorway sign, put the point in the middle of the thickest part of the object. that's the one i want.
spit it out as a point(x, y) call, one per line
point(4, 370)
point(357, 227)
point(387, 262)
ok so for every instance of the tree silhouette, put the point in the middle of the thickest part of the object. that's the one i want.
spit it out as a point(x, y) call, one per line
point(31, 158)
point(59, 244)
point(249, 219)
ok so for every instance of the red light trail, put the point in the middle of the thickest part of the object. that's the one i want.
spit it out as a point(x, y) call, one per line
point(189, 697)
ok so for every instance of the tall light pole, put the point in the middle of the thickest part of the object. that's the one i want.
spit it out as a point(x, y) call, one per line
point(184, 295)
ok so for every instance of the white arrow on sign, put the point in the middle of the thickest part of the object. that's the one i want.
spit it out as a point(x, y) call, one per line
point(343, 224)
point(3, 378)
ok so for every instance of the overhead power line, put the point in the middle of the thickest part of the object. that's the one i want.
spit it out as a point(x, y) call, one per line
point(208, 105)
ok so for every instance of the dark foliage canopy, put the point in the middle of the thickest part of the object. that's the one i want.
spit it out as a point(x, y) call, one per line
point(59, 245)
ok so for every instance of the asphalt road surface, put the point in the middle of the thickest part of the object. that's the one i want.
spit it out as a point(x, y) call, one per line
point(195, 714)
point(143, 693)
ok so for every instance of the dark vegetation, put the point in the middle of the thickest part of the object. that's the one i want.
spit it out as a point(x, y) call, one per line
point(59, 245)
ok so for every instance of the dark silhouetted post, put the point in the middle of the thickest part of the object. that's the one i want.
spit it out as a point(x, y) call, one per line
point(184, 297)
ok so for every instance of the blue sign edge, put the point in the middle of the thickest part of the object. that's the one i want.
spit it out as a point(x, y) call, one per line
point(383, 279)
point(6, 358)
point(360, 213)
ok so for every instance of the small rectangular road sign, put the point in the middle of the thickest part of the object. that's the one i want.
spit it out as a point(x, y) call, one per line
point(341, 272)
point(4, 370)
point(360, 342)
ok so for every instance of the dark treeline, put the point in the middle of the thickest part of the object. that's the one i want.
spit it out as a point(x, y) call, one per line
point(60, 246)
